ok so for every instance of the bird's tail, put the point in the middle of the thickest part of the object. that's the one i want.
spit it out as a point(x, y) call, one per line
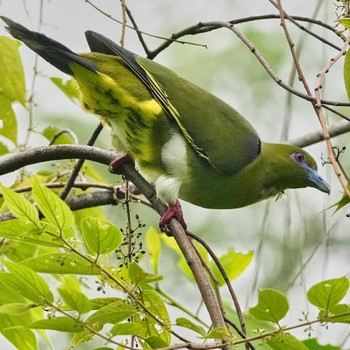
point(52, 51)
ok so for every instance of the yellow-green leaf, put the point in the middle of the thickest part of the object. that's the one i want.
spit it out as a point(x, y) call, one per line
point(8, 120)
point(272, 306)
point(12, 83)
point(233, 263)
point(71, 294)
point(153, 247)
point(26, 282)
point(329, 293)
point(100, 235)
point(62, 263)
point(55, 210)
point(19, 206)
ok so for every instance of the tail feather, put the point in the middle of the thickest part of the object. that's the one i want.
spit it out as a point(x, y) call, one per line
point(52, 51)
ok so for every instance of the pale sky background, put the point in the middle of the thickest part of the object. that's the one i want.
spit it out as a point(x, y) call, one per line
point(229, 70)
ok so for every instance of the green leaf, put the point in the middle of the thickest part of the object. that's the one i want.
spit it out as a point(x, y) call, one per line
point(12, 84)
point(27, 232)
point(153, 244)
point(329, 293)
point(8, 120)
point(62, 324)
point(26, 282)
point(272, 306)
point(71, 294)
point(68, 87)
point(21, 337)
point(64, 138)
point(3, 148)
point(345, 22)
point(131, 328)
point(186, 323)
point(156, 305)
point(156, 342)
point(342, 310)
point(54, 209)
point(285, 341)
point(313, 344)
point(20, 207)
point(217, 333)
point(100, 236)
point(15, 308)
point(347, 73)
point(112, 313)
point(98, 303)
point(138, 275)
point(233, 263)
point(90, 171)
point(62, 263)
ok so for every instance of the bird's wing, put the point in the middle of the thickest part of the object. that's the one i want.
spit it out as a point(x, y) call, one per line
point(216, 132)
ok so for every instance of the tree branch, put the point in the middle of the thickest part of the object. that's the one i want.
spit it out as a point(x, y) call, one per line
point(42, 154)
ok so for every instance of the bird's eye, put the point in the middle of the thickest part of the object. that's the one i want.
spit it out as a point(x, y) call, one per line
point(299, 157)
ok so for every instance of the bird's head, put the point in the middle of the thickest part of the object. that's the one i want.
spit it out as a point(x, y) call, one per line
point(293, 167)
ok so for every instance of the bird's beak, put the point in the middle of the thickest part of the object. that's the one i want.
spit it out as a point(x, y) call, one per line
point(317, 181)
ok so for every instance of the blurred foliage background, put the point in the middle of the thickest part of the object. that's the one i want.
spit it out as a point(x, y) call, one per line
point(296, 239)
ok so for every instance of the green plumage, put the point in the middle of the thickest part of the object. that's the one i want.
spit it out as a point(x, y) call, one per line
point(186, 141)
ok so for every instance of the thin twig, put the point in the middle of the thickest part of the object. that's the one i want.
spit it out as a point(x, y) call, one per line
point(322, 119)
point(79, 164)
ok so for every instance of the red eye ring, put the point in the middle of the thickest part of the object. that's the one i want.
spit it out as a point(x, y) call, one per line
point(299, 157)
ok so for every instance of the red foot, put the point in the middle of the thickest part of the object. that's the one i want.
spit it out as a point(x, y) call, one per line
point(114, 166)
point(174, 211)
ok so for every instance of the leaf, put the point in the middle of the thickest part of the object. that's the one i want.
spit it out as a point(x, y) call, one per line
point(26, 282)
point(68, 87)
point(71, 294)
point(347, 73)
point(156, 342)
point(62, 324)
point(343, 310)
point(27, 232)
point(272, 306)
point(98, 303)
point(153, 244)
point(21, 337)
point(12, 83)
point(217, 333)
point(186, 323)
point(344, 200)
point(55, 210)
point(15, 308)
point(64, 138)
point(313, 344)
point(329, 293)
point(156, 305)
point(112, 313)
point(8, 121)
point(233, 263)
point(131, 328)
point(138, 275)
point(285, 341)
point(345, 22)
point(3, 148)
point(100, 236)
point(19, 206)
point(62, 263)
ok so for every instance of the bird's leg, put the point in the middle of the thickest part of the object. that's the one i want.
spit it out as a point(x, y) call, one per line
point(114, 166)
point(173, 211)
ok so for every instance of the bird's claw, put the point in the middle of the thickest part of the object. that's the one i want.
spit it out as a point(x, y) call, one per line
point(115, 164)
point(173, 211)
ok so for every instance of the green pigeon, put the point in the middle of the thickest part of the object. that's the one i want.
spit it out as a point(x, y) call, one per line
point(187, 142)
